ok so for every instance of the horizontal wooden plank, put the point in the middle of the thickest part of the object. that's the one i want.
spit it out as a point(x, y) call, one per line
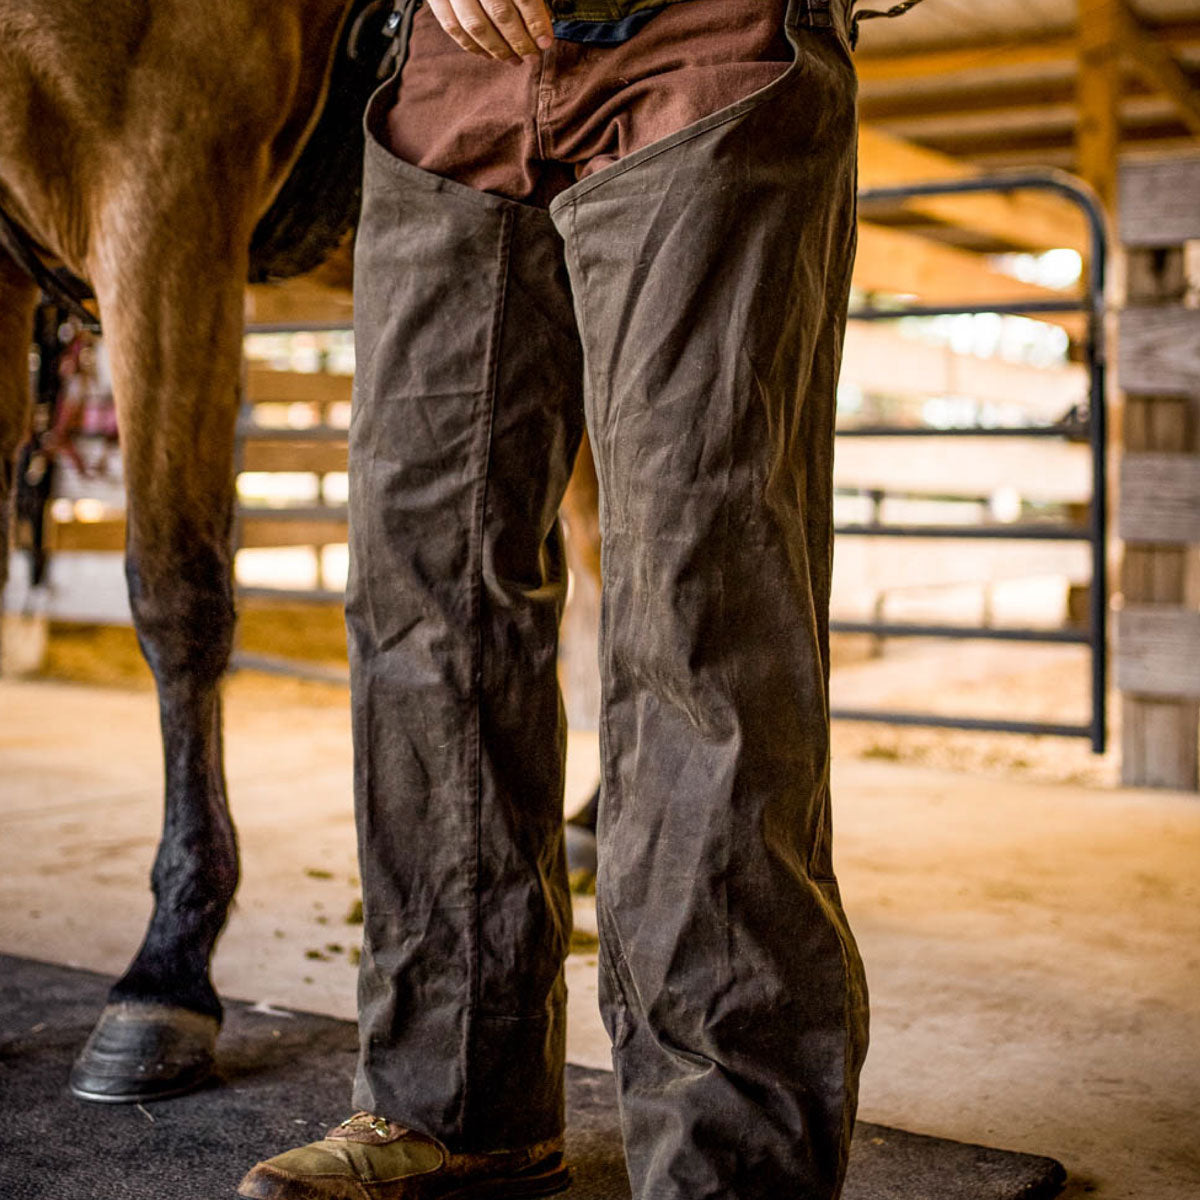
point(259, 533)
point(1160, 498)
point(256, 533)
point(1035, 468)
point(897, 261)
point(1158, 651)
point(867, 565)
point(880, 359)
point(1160, 351)
point(264, 386)
point(1036, 221)
point(1160, 202)
point(88, 536)
point(300, 302)
point(320, 458)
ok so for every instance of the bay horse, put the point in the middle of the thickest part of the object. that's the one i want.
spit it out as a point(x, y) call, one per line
point(155, 150)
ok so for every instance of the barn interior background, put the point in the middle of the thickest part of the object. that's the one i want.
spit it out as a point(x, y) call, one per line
point(979, 592)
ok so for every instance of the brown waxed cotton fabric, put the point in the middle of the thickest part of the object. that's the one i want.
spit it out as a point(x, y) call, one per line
point(690, 298)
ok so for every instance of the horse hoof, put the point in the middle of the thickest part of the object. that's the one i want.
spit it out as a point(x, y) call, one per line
point(144, 1052)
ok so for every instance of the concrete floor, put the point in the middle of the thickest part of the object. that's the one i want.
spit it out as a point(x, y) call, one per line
point(1033, 949)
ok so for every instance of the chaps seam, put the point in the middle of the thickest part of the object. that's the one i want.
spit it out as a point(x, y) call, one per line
point(475, 749)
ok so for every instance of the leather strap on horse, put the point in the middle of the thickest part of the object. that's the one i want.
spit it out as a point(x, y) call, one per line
point(897, 10)
point(62, 287)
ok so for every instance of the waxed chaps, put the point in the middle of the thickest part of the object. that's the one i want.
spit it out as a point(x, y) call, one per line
point(689, 302)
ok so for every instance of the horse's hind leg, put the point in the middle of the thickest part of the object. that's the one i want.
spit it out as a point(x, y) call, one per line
point(171, 303)
point(18, 298)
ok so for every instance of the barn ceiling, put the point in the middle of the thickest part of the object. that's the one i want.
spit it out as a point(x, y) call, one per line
point(994, 82)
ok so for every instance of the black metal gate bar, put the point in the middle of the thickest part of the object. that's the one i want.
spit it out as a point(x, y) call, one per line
point(1094, 428)
point(970, 724)
point(994, 633)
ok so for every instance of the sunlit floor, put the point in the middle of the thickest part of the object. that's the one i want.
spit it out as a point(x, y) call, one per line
point(1033, 949)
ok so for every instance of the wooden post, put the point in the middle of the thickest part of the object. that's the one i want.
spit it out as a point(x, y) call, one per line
point(1098, 138)
point(1158, 665)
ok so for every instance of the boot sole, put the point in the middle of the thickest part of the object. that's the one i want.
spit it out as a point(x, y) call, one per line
point(514, 1188)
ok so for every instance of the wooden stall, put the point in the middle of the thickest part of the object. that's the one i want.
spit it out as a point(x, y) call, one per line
point(1158, 646)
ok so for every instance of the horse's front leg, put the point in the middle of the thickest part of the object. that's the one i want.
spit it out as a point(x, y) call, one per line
point(171, 303)
point(18, 296)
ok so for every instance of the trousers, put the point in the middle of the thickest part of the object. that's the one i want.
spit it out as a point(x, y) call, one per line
point(686, 299)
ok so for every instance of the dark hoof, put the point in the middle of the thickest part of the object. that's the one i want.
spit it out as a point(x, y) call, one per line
point(144, 1052)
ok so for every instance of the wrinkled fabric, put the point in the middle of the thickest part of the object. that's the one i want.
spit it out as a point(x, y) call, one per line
point(690, 300)
point(530, 131)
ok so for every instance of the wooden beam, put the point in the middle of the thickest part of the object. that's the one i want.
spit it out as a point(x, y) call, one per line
point(896, 261)
point(1014, 116)
point(966, 60)
point(1158, 69)
point(1098, 137)
point(1035, 222)
point(1060, 49)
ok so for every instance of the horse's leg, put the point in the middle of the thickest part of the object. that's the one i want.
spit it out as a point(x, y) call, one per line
point(171, 295)
point(18, 298)
point(581, 512)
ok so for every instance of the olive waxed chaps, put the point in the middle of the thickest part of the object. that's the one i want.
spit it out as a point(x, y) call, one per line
point(691, 299)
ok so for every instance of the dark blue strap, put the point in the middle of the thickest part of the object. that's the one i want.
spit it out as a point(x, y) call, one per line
point(604, 33)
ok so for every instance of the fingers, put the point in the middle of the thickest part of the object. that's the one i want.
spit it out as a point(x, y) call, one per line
point(536, 16)
point(507, 30)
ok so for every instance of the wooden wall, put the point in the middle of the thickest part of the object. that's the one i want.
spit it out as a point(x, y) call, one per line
point(1158, 628)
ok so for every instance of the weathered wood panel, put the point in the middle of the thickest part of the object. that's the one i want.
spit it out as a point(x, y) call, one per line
point(1160, 498)
point(1160, 362)
point(1160, 350)
point(1160, 202)
point(1158, 652)
point(1159, 746)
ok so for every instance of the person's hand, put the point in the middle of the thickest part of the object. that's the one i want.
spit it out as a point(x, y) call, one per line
point(508, 30)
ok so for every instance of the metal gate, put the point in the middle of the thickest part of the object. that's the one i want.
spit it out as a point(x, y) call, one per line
point(1083, 424)
point(1089, 423)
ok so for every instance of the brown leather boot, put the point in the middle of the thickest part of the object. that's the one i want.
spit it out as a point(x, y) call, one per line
point(369, 1158)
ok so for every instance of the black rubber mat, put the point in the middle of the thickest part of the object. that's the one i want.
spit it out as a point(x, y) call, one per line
point(285, 1078)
